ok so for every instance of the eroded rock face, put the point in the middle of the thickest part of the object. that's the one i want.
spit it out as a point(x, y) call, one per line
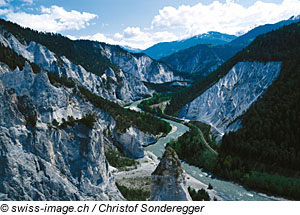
point(116, 86)
point(40, 161)
point(133, 141)
point(168, 180)
point(232, 95)
point(140, 66)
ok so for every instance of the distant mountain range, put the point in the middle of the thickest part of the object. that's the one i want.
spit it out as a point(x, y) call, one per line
point(167, 48)
point(247, 38)
point(200, 60)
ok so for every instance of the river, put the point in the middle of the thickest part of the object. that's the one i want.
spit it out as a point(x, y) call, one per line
point(225, 189)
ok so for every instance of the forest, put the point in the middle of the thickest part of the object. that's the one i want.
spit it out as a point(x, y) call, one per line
point(191, 149)
point(126, 117)
point(266, 149)
point(265, 153)
point(269, 140)
point(212, 52)
point(155, 99)
point(133, 194)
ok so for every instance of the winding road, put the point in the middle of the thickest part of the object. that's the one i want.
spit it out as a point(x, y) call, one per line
point(204, 141)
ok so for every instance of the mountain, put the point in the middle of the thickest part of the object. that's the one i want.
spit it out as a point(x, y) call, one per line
point(255, 102)
point(232, 95)
point(59, 112)
point(268, 141)
point(200, 60)
point(95, 58)
point(247, 38)
point(164, 49)
point(115, 83)
point(202, 66)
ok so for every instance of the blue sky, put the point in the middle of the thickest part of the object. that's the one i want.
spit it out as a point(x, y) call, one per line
point(142, 23)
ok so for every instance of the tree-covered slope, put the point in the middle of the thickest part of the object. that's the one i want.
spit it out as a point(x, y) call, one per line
point(200, 60)
point(265, 153)
point(164, 49)
point(269, 140)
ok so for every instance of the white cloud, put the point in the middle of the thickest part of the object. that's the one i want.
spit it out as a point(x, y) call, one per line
point(4, 11)
point(229, 17)
point(118, 36)
point(98, 37)
point(71, 37)
point(52, 19)
point(133, 32)
point(135, 37)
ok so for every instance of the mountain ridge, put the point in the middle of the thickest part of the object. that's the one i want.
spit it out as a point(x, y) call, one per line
point(179, 99)
point(164, 49)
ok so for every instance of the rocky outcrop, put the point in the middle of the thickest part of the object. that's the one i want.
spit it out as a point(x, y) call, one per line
point(133, 140)
point(140, 65)
point(41, 161)
point(113, 85)
point(168, 180)
point(232, 95)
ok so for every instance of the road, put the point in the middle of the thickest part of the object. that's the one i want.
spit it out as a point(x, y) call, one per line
point(204, 141)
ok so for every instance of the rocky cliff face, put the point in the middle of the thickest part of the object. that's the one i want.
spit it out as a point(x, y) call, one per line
point(41, 161)
point(48, 149)
point(116, 86)
point(140, 66)
point(168, 180)
point(232, 95)
point(133, 141)
point(42, 158)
